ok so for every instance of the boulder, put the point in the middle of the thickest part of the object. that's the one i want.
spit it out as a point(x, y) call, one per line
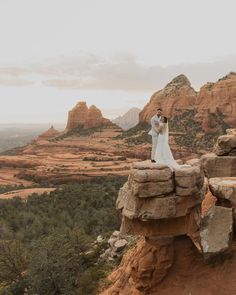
point(216, 231)
point(217, 166)
point(224, 188)
point(119, 245)
point(226, 145)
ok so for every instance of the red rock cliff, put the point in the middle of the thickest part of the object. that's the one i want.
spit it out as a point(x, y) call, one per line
point(81, 115)
point(178, 95)
point(218, 97)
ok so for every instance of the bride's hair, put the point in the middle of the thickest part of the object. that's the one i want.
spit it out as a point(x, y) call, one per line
point(165, 120)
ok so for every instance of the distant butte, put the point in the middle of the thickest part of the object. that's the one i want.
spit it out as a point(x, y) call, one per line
point(86, 117)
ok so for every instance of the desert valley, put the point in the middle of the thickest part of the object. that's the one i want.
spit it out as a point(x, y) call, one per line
point(92, 146)
point(132, 226)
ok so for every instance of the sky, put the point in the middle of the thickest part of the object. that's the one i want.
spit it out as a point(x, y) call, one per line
point(110, 53)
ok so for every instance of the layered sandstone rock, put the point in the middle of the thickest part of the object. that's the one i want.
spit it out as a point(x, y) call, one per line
point(218, 97)
point(177, 96)
point(215, 166)
point(86, 117)
point(220, 168)
point(142, 269)
point(154, 192)
point(223, 162)
point(160, 205)
point(213, 101)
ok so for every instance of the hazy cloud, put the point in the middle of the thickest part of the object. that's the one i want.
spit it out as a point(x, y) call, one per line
point(125, 73)
point(120, 72)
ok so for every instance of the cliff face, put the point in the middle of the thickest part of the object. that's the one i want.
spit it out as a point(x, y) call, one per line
point(81, 115)
point(212, 99)
point(129, 119)
point(219, 97)
point(167, 208)
point(177, 95)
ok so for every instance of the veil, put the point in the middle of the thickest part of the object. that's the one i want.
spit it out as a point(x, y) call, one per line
point(163, 152)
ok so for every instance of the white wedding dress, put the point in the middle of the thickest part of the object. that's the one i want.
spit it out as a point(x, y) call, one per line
point(163, 153)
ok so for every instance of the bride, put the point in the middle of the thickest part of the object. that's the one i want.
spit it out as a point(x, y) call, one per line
point(163, 153)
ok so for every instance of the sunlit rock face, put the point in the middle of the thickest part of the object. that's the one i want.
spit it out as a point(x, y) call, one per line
point(213, 102)
point(219, 97)
point(175, 97)
point(86, 117)
point(157, 201)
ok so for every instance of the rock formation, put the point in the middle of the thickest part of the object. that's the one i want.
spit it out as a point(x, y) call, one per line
point(154, 194)
point(176, 96)
point(214, 100)
point(86, 117)
point(160, 205)
point(218, 97)
point(221, 170)
point(128, 120)
point(50, 133)
point(222, 163)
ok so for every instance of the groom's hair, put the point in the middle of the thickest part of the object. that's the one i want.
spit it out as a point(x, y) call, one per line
point(165, 119)
point(160, 109)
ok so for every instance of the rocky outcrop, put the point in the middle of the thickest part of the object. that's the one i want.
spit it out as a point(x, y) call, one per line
point(216, 231)
point(219, 97)
point(220, 168)
point(214, 102)
point(154, 198)
point(224, 189)
point(116, 244)
point(50, 133)
point(177, 96)
point(158, 204)
point(223, 162)
point(226, 145)
point(128, 120)
point(145, 267)
point(161, 205)
point(216, 166)
point(82, 116)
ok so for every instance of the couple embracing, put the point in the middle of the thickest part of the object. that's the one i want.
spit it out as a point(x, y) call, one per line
point(161, 152)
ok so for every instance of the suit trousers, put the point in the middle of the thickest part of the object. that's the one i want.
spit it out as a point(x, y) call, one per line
point(154, 146)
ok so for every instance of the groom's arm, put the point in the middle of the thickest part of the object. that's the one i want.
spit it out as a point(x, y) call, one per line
point(154, 125)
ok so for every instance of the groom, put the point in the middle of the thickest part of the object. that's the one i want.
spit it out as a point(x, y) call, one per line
point(155, 120)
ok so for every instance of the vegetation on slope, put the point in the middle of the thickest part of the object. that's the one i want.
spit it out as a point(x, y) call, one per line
point(47, 243)
point(191, 134)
